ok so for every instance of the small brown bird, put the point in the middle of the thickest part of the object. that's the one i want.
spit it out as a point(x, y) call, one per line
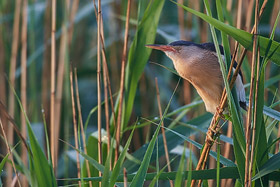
point(198, 63)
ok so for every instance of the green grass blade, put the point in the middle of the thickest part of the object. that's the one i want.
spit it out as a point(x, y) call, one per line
point(117, 168)
point(189, 177)
point(138, 54)
point(42, 168)
point(3, 162)
point(272, 164)
point(139, 178)
point(180, 171)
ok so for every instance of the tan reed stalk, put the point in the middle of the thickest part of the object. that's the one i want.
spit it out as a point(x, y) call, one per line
point(2, 83)
point(60, 79)
point(163, 132)
point(10, 153)
point(81, 123)
point(257, 58)
point(107, 116)
point(249, 15)
point(52, 102)
point(254, 119)
point(75, 124)
point(13, 61)
point(248, 165)
point(75, 6)
point(99, 85)
point(23, 85)
point(124, 178)
point(46, 67)
point(239, 15)
point(119, 122)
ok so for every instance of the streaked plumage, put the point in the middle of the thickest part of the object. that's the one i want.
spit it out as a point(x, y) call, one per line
point(198, 63)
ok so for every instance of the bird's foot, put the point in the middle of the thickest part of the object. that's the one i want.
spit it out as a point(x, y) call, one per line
point(211, 133)
point(220, 113)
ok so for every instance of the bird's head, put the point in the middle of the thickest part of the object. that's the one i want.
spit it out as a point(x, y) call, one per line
point(179, 50)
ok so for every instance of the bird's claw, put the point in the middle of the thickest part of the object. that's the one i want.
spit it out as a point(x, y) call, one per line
point(216, 132)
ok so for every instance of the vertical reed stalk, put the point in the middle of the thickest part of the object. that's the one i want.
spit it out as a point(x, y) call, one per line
point(119, 122)
point(107, 116)
point(10, 153)
point(248, 165)
point(163, 132)
point(257, 58)
point(60, 78)
point(13, 61)
point(23, 84)
point(75, 6)
point(99, 84)
point(124, 178)
point(81, 123)
point(75, 124)
point(52, 103)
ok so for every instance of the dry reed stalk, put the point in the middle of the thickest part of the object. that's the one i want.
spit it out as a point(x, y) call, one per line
point(248, 165)
point(119, 119)
point(124, 178)
point(256, 59)
point(239, 15)
point(2, 83)
point(163, 132)
point(107, 116)
point(23, 85)
point(99, 125)
point(10, 153)
point(13, 61)
point(59, 88)
point(52, 102)
point(46, 67)
point(75, 124)
point(81, 123)
point(249, 15)
point(255, 116)
point(75, 6)
point(107, 83)
point(59, 85)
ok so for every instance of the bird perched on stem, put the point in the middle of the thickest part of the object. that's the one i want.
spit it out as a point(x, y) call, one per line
point(198, 63)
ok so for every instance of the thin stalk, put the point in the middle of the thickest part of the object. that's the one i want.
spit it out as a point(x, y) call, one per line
point(124, 177)
point(99, 84)
point(248, 165)
point(75, 125)
point(81, 123)
point(52, 102)
point(105, 66)
point(23, 84)
point(59, 87)
point(119, 121)
point(10, 152)
point(257, 58)
point(254, 122)
point(75, 6)
point(13, 61)
point(163, 132)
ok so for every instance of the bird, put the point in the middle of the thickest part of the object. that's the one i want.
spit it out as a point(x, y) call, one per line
point(198, 64)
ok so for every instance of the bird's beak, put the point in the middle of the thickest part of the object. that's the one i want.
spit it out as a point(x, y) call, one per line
point(163, 48)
